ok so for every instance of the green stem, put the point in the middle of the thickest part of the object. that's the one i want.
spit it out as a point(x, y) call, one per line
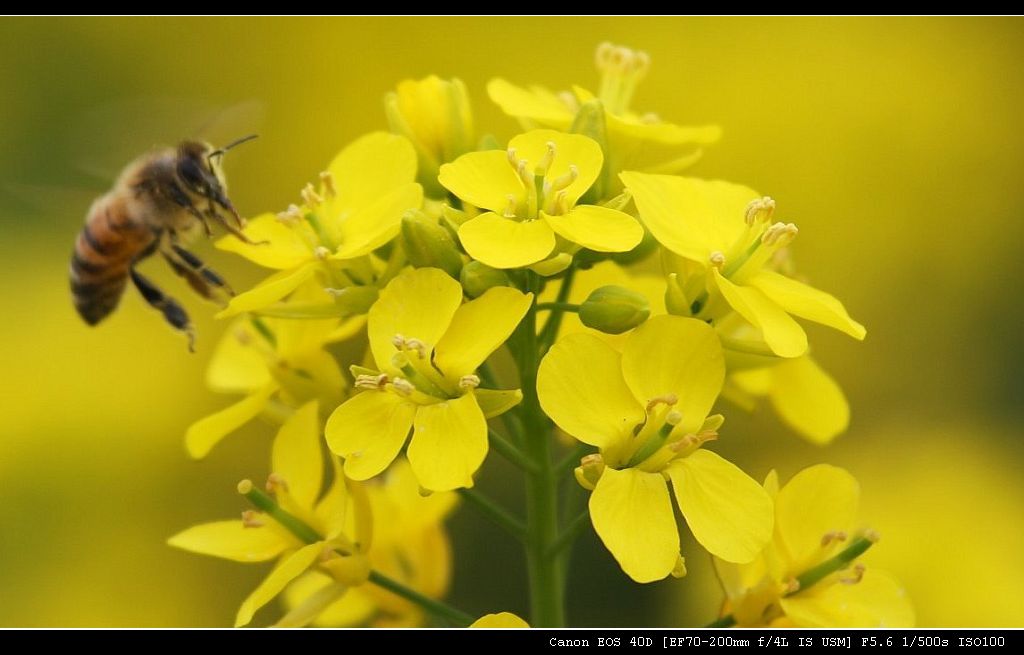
point(268, 505)
point(570, 533)
point(496, 513)
point(835, 563)
point(549, 332)
point(816, 574)
point(509, 451)
point(546, 583)
point(435, 607)
point(563, 306)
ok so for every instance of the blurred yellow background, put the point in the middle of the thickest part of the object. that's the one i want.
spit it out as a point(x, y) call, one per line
point(895, 144)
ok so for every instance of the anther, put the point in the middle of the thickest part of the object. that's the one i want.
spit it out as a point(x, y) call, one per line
point(322, 253)
point(276, 482)
point(668, 399)
point(417, 346)
point(511, 152)
point(563, 181)
point(759, 211)
point(834, 535)
point(290, 216)
point(251, 519)
point(243, 337)
point(469, 382)
point(858, 575)
point(717, 259)
point(549, 156)
point(510, 207)
point(311, 197)
point(398, 341)
point(328, 181)
point(779, 234)
point(371, 382)
point(402, 386)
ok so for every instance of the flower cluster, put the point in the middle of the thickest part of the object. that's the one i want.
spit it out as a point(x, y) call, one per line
point(569, 301)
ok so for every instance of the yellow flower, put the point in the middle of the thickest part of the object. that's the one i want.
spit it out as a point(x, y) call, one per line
point(802, 394)
point(357, 209)
point(271, 361)
point(500, 620)
point(296, 527)
point(808, 575)
point(531, 191)
point(646, 409)
point(410, 545)
point(427, 345)
point(724, 233)
point(635, 141)
point(435, 115)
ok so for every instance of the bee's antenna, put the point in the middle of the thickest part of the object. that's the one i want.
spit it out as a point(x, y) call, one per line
point(219, 152)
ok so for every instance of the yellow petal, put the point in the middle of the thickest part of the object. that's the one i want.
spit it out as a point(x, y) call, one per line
point(877, 601)
point(290, 568)
point(449, 443)
point(284, 247)
point(807, 302)
point(581, 388)
point(782, 334)
point(368, 430)
point(236, 367)
point(728, 512)
point(371, 167)
point(418, 304)
point(570, 150)
point(506, 243)
point(675, 355)
point(598, 228)
point(377, 223)
point(296, 455)
point(632, 513)
point(818, 500)
point(332, 509)
point(484, 179)
point(499, 620)
point(204, 434)
point(495, 402)
point(809, 400)
point(656, 147)
point(232, 540)
point(312, 606)
point(536, 103)
point(269, 291)
point(478, 328)
point(355, 608)
point(689, 216)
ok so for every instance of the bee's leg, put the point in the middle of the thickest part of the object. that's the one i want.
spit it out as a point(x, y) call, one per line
point(169, 307)
point(182, 199)
point(235, 231)
point(199, 276)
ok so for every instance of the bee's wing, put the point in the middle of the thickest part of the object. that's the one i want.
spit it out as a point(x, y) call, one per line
point(111, 135)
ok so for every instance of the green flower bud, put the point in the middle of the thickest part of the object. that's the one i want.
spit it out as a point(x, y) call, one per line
point(427, 243)
point(477, 278)
point(614, 310)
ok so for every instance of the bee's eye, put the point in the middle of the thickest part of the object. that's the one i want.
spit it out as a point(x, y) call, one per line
point(192, 174)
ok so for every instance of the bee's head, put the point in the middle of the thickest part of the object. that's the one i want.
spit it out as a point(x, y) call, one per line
point(199, 169)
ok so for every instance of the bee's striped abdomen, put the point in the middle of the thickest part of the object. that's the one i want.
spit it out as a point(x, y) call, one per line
point(107, 246)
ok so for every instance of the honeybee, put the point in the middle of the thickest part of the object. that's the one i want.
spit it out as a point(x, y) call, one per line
point(157, 201)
